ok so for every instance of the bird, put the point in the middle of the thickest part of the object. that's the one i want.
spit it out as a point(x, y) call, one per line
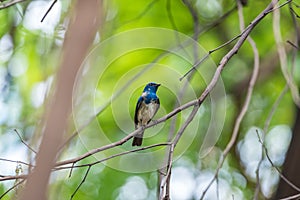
point(146, 107)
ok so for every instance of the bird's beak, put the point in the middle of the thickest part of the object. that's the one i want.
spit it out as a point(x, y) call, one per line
point(157, 85)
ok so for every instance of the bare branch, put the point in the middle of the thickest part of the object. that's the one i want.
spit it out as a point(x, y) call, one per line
point(208, 54)
point(250, 87)
point(166, 182)
point(257, 172)
point(16, 161)
point(140, 15)
point(283, 58)
point(274, 107)
point(197, 31)
point(7, 4)
point(196, 23)
point(296, 196)
point(112, 156)
point(83, 180)
point(173, 24)
point(248, 95)
point(294, 12)
point(54, 1)
point(275, 167)
point(29, 147)
point(293, 45)
point(13, 187)
point(266, 127)
point(7, 178)
point(108, 146)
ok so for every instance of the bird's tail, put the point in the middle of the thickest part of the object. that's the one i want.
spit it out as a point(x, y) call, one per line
point(138, 139)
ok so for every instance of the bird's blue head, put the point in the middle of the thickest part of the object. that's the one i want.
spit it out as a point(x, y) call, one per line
point(151, 87)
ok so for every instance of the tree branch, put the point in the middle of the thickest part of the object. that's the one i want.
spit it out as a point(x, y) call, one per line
point(79, 36)
point(48, 10)
point(276, 168)
point(29, 147)
point(7, 4)
point(283, 58)
point(13, 187)
point(243, 37)
point(83, 180)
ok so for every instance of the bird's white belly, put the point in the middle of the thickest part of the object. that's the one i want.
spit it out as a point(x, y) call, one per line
point(146, 112)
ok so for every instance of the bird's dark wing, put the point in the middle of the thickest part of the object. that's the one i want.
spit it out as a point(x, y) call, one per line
point(157, 101)
point(138, 106)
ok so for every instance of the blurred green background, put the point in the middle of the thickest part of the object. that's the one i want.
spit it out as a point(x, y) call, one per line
point(29, 56)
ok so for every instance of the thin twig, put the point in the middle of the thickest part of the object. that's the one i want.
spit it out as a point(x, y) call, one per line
point(250, 87)
point(196, 26)
point(296, 196)
point(167, 177)
point(13, 187)
point(142, 13)
point(249, 90)
point(16, 161)
point(217, 188)
point(230, 41)
point(29, 147)
point(82, 181)
point(257, 172)
point(213, 179)
point(164, 187)
point(169, 167)
point(112, 156)
point(275, 167)
point(172, 21)
point(294, 12)
point(218, 21)
point(17, 183)
point(208, 54)
point(7, 4)
point(174, 143)
point(187, 122)
point(244, 109)
point(54, 1)
point(295, 4)
point(283, 58)
point(293, 45)
point(274, 107)
point(71, 170)
point(169, 155)
point(280, 6)
point(7, 178)
point(266, 127)
point(108, 146)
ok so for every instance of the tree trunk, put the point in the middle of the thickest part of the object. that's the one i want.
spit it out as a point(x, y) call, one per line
point(291, 166)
